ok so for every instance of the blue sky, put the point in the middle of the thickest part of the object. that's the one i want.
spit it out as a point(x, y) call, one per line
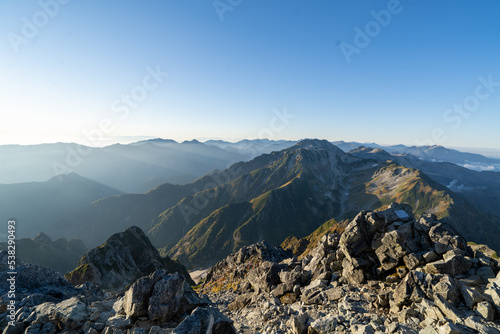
point(69, 78)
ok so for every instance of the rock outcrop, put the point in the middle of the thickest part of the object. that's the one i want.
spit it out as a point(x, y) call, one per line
point(154, 304)
point(386, 272)
point(121, 260)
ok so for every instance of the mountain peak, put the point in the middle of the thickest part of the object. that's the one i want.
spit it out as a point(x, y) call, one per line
point(194, 141)
point(121, 259)
point(316, 144)
point(43, 238)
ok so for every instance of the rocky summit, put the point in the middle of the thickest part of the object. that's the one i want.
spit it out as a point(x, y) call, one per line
point(385, 273)
point(121, 260)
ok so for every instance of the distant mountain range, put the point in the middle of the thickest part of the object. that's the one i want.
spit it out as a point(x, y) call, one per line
point(283, 193)
point(132, 168)
point(277, 189)
point(36, 205)
point(60, 255)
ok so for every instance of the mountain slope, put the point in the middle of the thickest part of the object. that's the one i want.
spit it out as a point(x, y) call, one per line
point(482, 189)
point(300, 189)
point(35, 205)
point(121, 260)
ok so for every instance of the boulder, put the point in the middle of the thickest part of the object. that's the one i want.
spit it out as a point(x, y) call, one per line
point(161, 297)
point(393, 249)
point(205, 320)
point(455, 265)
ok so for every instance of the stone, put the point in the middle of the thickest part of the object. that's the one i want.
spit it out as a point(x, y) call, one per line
point(471, 296)
point(130, 254)
point(393, 249)
point(428, 330)
point(298, 324)
point(411, 261)
point(454, 266)
point(430, 256)
point(445, 238)
point(119, 322)
point(476, 323)
point(353, 271)
point(447, 287)
point(71, 312)
point(135, 301)
point(325, 324)
point(362, 329)
point(166, 298)
point(205, 320)
point(449, 328)
point(356, 237)
point(240, 302)
point(485, 310)
point(334, 294)
point(264, 277)
point(410, 289)
point(485, 273)
point(448, 309)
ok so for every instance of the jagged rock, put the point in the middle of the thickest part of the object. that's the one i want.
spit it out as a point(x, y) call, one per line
point(453, 266)
point(205, 320)
point(392, 250)
point(35, 279)
point(135, 301)
point(266, 276)
point(449, 328)
point(485, 273)
point(326, 324)
point(238, 265)
point(485, 310)
point(445, 239)
point(72, 313)
point(118, 322)
point(477, 325)
point(411, 261)
point(160, 296)
point(448, 309)
point(123, 258)
point(298, 324)
point(471, 296)
point(356, 237)
point(240, 302)
point(411, 289)
point(447, 287)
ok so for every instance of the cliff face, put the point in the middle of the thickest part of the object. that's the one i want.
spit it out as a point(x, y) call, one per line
point(121, 260)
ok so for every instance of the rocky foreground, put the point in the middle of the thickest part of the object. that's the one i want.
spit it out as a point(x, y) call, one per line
point(385, 273)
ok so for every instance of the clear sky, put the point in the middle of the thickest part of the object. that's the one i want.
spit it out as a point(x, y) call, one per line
point(411, 72)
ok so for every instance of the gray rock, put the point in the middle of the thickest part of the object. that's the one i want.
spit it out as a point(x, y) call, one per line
point(454, 266)
point(266, 276)
point(411, 261)
point(485, 310)
point(448, 309)
point(118, 322)
point(326, 324)
point(471, 296)
point(410, 289)
point(485, 273)
point(356, 237)
point(72, 313)
point(393, 249)
point(135, 301)
point(205, 320)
